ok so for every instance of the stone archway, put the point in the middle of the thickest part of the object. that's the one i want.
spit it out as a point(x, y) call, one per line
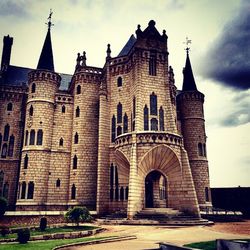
point(155, 190)
point(157, 162)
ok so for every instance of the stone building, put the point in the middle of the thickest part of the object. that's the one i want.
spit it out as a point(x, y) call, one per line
point(117, 138)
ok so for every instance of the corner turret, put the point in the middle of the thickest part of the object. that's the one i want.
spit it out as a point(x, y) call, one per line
point(191, 117)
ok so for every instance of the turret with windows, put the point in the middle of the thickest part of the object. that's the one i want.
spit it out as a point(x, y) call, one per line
point(191, 116)
point(43, 84)
point(84, 150)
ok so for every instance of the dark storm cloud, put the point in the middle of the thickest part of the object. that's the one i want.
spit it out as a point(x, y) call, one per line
point(14, 8)
point(240, 111)
point(229, 58)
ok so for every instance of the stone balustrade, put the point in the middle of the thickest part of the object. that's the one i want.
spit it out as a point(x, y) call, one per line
point(149, 137)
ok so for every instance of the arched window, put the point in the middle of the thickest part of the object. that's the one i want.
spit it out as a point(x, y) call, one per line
point(116, 177)
point(39, 140)
point(6, 190)
point(4, 150)
point(0, 140)
point(119, 113)
point(113, 128)
point(61, 142)
point(119, 81)
point(26, 137)
point(9, 106)
point(200, 149)
point(25, 162)
point(63, 109)
point(76, 138)
point(126, 193)
point(58, 183)
point(11, 145)
point(125, 123)
point(75, 162)
point(30, 190)
point(134, 107)
point(145, 111)
point(23, 190)
point(116, 193)
point(161, 117)
point(6, 132)
point(119, 130)
point(78, 89)
point(112, 175)
point(207, 193)
point(121, 193)
point(31, 111)
point(73, 192)
point(33, 88)
point(154, 124)
point(153, 104)
point(1, 182)
point(204, 150)
point(77, 111)
point(152, 64)
point(32, 137)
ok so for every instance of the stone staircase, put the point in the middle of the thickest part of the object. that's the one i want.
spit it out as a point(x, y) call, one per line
point(156, 216)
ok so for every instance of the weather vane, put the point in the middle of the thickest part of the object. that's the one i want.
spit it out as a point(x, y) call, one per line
point(187, 42)
point(49, 23)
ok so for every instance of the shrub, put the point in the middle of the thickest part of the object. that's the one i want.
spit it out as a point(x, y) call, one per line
point(4, 231)
point(43, 223)
point(23, 235)
point(3, 206)
point(78, 214)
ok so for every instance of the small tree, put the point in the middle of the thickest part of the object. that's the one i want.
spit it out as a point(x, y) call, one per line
point(78, 214)
point(3, 206)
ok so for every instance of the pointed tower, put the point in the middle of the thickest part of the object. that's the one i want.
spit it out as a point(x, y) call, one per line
point(35, 163)
point(191, 116)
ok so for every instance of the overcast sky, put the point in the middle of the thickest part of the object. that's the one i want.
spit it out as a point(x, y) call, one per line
point(220, 56)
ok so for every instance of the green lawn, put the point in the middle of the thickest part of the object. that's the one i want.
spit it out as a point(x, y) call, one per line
point(46, 245)
point(53, 230)
point(206, 245)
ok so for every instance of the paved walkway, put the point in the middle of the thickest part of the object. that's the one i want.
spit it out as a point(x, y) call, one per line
point(149, 236)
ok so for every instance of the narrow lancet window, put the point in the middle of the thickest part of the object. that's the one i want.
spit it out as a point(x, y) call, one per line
point(153, 104)
point(119, 82)
point(77, 111)
point(113, 128)
point(11, 145)
point(75, 159)
point(30, 190)
point(32, 137)
point(76, 138)
point(146, 118)
point(26, 161)
point(119, 113)
point(161, 116)
point(39, 140)
point(125, 123)
point(6, 132)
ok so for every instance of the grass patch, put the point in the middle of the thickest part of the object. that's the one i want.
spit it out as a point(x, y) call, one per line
point(46, 245)
point(207, 245)
point(52, 231)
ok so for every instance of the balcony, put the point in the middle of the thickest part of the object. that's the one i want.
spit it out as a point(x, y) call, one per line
point(152, 137)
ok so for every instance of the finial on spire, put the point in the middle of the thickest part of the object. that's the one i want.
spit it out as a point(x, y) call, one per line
point(187, 42)
point(84, 58)
point(108, 52)
point(49, 23)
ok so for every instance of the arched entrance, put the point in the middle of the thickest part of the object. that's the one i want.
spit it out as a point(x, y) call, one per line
point(155, 190)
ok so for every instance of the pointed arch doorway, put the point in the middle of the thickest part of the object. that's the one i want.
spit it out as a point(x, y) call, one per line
point(155, 190)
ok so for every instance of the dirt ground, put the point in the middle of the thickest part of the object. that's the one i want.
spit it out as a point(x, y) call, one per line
point(232, 227)
point(149, 236)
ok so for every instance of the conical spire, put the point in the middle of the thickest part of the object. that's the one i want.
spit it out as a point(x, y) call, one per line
point(188, 77)
point(46, 58)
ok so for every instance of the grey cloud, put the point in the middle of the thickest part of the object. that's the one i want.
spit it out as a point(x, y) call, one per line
point(176, 4)
point(14, 8)
point(240, 113)
point(228, 61)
